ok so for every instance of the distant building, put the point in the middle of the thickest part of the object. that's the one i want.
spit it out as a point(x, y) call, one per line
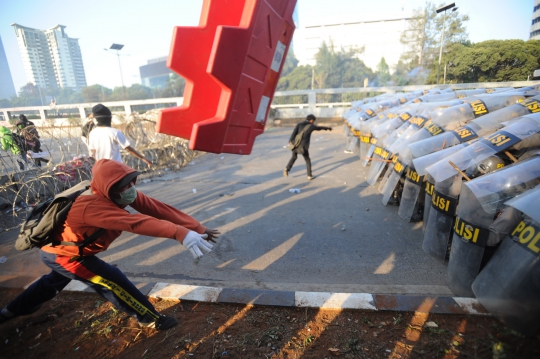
point(50, 57)
point(535, 25)
point(156, 73)
point(380, 36)
point(7, 89)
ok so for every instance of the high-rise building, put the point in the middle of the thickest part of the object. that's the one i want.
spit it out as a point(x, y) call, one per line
point(7, 89)
point(535, 25)
point(50, 57)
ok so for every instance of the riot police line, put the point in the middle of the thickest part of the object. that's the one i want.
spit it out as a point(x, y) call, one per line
point(467, 164)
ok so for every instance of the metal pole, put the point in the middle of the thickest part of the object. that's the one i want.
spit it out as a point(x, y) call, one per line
point(40, 95)
point(440, 52)
point(121, 76)
point(312, 77)
point(444, 77)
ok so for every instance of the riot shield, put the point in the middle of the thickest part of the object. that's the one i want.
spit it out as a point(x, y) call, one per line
point(411, 193)
point(382, 153)
point(365, 132)
point(408, 197)
point(441, 217)
point(480, 200)
point(443, 121)
point(509, 285)
point(487, 146)
point(478, 127)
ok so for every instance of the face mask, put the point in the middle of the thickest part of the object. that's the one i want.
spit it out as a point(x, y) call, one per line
point(128, 196)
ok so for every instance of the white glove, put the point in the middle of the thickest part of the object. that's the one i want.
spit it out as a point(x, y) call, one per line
point(195, 242)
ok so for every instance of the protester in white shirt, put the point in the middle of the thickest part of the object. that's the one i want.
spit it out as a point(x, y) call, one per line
point(105, 141)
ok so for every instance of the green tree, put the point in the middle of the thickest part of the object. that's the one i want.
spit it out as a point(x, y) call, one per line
point(297, 79)
point(175, 86)
point(335, 69)
point(383, 73)
point(138, 92)
point(96, 93)
point(291, 62)
point(492, 60)
point(423, 36)
point(29, 95)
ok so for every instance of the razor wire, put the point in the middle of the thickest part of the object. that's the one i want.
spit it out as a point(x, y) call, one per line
point(26, 180)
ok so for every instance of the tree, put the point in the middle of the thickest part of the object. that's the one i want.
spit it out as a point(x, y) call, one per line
point(96, 93)
point(291, 62)
point(423, 37)
point(492, 60)
point(297, 79)
point(138, 92)
point(383, 73)
point(335, 69)
point(175, 86)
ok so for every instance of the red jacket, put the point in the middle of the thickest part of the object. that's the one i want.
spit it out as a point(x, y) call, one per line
point(90, 213)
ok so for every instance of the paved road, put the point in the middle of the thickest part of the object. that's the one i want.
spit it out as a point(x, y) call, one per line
point(333, 236)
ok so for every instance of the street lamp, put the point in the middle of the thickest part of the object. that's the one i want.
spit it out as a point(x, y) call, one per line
point(118, 47)
point(439, 10)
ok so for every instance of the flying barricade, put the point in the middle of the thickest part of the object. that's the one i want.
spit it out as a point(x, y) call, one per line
point(478, 127)
point(485, 155)
point(480, 202)
point(509, 285)
point(232, 62)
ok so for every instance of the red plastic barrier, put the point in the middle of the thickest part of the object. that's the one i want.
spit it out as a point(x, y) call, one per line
point(232, 75)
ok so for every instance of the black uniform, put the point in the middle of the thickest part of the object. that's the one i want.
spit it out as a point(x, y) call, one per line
point(304, 145)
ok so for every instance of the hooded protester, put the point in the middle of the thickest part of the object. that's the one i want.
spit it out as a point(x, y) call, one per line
point(112, 189)
point(105, 141)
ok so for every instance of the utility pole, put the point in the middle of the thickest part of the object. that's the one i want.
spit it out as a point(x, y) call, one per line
point(119, 47)
point(439, 10)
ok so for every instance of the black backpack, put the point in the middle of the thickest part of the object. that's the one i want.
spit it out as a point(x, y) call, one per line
point(39, 228)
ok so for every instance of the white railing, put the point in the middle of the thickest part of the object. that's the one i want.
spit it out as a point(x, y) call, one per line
point(312, 101)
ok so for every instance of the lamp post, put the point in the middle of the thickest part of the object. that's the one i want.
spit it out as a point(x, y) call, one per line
point(439, 10)
point(119, 47)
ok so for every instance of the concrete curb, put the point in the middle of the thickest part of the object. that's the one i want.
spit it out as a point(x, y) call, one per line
point(358, 301)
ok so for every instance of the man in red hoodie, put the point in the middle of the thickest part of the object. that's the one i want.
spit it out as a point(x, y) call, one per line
point(113, 189)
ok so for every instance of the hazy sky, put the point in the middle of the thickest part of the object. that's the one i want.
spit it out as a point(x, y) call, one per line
point(145, 27)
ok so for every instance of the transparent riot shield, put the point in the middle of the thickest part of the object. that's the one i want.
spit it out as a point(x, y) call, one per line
point(509, 285)
point(365, 132)
point(420, 165)
point(381, 153)
point(454, 119)
point(478, 127)
point(442, 121)
point(411, 193)
point(487, 146)
point(441, 217)
point(480, 201)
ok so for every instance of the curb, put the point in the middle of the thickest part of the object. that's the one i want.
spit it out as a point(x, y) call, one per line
point(322, 300)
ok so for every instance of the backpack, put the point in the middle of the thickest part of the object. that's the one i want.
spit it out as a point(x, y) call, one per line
point(40, 226)
point(298, 138)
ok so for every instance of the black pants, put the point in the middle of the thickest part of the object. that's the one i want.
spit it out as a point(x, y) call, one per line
point(303, 152)
point(105, 279)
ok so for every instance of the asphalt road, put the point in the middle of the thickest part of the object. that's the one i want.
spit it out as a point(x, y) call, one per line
point(334, 236)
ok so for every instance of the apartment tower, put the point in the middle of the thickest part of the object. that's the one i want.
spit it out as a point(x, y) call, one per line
point(50, 57)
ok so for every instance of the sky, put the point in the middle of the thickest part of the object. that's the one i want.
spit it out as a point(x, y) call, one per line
point(145, 27)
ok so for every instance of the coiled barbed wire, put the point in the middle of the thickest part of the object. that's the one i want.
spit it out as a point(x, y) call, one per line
point(25, 182)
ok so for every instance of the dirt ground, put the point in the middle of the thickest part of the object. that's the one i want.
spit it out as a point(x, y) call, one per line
point(82, 325)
